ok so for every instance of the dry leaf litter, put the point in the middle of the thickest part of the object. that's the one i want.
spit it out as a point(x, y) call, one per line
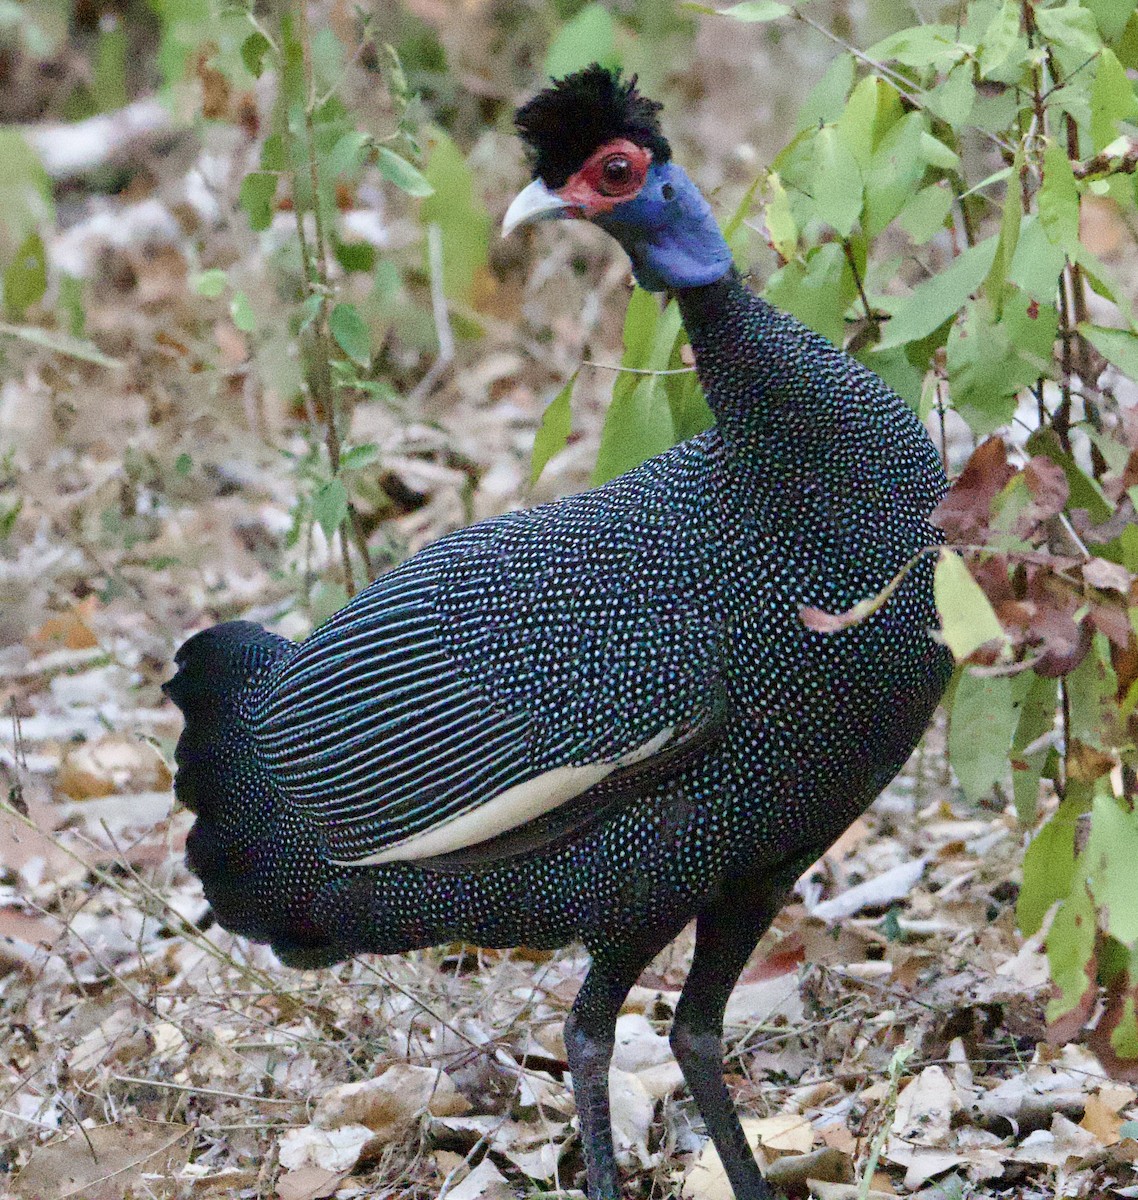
point(144, 1056)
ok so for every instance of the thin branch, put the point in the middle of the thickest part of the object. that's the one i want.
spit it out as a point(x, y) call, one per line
point(1118, 162)
point(601, 366)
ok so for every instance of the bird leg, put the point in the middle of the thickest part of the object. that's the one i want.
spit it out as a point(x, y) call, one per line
point(727, 930)
point(590, 1032)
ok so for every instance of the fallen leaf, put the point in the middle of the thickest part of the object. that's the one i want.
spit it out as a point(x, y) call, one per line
point(878, 892)
point(117, 763)
point(106, 1162)
point(335, 1150)
point(485, 1182)
point(308, 1183)
point(1054, 1147)
point(391, 1102)
point(1101, 1120)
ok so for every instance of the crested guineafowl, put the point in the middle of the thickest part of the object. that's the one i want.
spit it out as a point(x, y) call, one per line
point(600, 719)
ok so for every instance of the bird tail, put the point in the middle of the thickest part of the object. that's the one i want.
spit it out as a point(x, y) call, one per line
point(263, 867)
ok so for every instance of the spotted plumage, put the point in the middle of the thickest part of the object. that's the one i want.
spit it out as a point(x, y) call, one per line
point(639, 646)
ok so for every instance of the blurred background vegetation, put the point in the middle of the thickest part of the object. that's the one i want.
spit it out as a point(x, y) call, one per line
point(261, 340)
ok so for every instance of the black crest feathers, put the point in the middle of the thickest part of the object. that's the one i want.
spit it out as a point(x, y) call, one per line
point(563, 124)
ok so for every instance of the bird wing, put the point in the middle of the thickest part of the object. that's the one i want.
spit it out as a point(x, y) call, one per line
point(490, 680)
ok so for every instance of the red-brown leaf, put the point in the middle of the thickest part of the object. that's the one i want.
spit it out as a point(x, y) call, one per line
point(965, 512)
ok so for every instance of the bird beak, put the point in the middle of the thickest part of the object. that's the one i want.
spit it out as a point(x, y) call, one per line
point(533, 203)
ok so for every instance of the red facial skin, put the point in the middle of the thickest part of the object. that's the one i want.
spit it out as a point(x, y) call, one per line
point(612, 174)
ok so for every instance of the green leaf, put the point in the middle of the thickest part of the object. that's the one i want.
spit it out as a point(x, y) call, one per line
point(894, 172)
point(351, 333)
point(953, 99)
point(553, 433)
point(967, 619)
point(639, 422)
point(60, 343)
point(1071, 27)
point(1091, 690)
point(589, 37)
point(1102, 280)
point(357, 457)
point(1010, 223)
point(1118, 346)
point(461, 216)
point(1112, 854)
point(1000, 38)
point(1038, 262)
point(309, 311)
point(108, 87)
point(327, 598)
point(25, 280)
point(817, 291)
point(1070, 949)
point(71, 306)
point(253, 51)
point(936, 300)
point(779, 219)
point(920, 46)
point(330, 507)
point(1059, 199)
point(1048, 869)
point(25, 190)
point(937, 154)
point(638, 426)
point(1112, 100)
point(210, 284)
point(241, 313)
point(258, 191)
point(349, 152)
point(991, 358)
point(871, 111)
point(399, 171)
point(926, 214)
point(981, 726)
point(826, 101)
point(640, 320)
point(838, 187)
point(1030, 747)
point(1111, 16)
point(755, 10)
point(274, 154)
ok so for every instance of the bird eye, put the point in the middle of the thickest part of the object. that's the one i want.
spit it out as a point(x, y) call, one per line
point(616, 174)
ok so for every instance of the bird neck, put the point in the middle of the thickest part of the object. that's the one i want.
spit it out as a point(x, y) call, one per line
point(779, 390)
point(669, 233)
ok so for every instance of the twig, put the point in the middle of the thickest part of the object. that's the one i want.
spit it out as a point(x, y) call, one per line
point(1124, 162)
point(316, 271)
point(203, 1091)
point(588, 362)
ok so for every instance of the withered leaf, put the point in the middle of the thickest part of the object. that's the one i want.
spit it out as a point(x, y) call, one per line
point(1107, 576)
point(964, 514)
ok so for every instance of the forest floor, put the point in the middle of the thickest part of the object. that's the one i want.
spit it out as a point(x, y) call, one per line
point(148, 1055)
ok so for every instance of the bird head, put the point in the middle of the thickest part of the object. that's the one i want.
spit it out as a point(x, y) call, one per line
point(598, 154)
point(215, 664)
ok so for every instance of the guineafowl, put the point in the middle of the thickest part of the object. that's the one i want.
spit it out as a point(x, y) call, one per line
point(602, 718)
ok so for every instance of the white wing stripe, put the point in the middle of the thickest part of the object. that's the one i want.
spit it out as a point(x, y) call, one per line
point(439, 781)
point(377, 715)
point(338, 769)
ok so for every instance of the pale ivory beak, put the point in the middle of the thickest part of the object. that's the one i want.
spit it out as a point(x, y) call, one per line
point(532, 203)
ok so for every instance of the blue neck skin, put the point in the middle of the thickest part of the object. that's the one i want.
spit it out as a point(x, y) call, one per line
point(669, 233)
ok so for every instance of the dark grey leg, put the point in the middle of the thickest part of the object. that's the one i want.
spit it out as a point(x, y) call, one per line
point(590, 1031)
point(726, 933)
